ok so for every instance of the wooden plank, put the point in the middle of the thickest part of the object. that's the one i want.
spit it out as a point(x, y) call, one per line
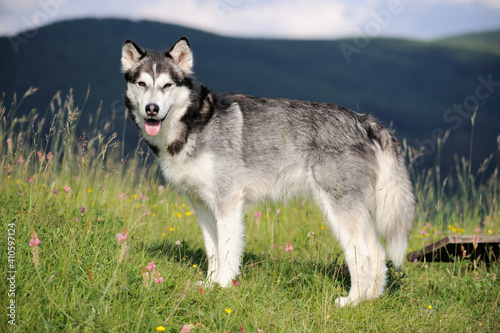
point(484, 248)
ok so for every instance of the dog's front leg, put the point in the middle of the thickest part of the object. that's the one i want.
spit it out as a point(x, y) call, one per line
point(230, 239)
point(206, 221)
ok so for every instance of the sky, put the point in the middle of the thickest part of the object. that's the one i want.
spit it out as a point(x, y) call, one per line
point(289, 19)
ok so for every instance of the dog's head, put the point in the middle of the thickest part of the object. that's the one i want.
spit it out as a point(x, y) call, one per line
point(157, 82)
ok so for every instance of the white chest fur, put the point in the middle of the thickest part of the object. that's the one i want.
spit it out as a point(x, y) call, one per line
point(193, 174)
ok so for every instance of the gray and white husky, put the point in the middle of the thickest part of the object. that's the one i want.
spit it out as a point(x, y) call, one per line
point(222, 150)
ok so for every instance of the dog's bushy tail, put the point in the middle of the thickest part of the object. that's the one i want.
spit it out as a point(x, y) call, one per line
point(394, 199)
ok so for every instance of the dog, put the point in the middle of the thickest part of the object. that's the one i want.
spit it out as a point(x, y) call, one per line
point(222, 150)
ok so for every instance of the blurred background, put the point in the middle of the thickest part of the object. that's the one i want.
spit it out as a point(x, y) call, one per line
point(422, 67)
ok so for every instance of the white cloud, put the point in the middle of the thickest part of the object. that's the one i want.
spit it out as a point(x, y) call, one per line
point(19, 6)
point(488, 3)
point(287, 19)
point(302, 19)
point(491, 3)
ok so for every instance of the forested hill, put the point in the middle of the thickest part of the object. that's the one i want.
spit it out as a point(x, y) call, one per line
point(422, 88)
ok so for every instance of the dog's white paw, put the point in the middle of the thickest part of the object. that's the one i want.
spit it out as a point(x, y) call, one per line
point(346, 301)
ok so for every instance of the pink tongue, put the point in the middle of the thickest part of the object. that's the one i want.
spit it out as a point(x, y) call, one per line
point(152, 127)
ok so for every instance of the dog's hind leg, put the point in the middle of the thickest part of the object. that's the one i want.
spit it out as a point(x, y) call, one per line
point(378, 256)
point(348, 210)
point(350, 228)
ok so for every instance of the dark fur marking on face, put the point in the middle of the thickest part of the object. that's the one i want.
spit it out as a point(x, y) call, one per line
point(196, 117)
point(131, 76)
point(128, 104)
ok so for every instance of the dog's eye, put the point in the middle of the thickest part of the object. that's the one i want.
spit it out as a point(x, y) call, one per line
point(168, 85)
point(142, 84)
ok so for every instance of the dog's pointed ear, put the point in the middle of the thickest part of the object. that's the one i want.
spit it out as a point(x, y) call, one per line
point(131, 54)
point(182, 55)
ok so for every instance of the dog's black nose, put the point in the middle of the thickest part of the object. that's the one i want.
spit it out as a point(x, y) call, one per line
point(152, 109)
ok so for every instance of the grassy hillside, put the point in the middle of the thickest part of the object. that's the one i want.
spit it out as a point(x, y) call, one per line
point(413, 85)
point(83, 229)
point(479, 42)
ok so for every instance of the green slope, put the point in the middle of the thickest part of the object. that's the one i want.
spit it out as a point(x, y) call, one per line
point(488, 42)
point(412, 84)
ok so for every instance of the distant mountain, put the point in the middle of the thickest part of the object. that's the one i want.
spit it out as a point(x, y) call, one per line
point(422, 88)
point(484, 42)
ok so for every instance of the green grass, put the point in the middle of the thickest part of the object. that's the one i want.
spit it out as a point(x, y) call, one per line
point(89, 281)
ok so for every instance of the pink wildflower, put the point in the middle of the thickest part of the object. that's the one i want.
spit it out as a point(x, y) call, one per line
point(83, 209)
point(151, 266)
point(289, 247)
point(41, 157)
point(34, 241)
point(235, 283)
point(257, 215)
point(178, 243)
point(122, 239)
point(55, 192)
point(476, 239)
point(146, 213)
point(122, 236)
point(20, 160)
point(158, 278)
point(67, 189)
point(30, 180)
point(122, 196)
point(185, 329)
point(278, 211)
point(49, 156)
